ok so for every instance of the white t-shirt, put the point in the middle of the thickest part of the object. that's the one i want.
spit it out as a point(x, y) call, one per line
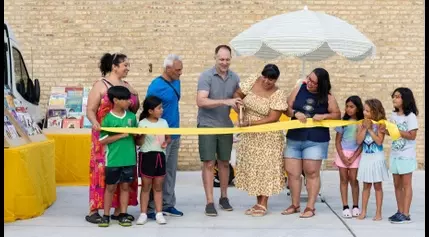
point(404, 148)
point(153, 142)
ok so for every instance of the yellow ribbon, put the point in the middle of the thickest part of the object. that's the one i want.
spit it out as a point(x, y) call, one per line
point(285, 125)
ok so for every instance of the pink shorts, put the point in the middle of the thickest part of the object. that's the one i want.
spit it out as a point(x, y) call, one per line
point(348, 153)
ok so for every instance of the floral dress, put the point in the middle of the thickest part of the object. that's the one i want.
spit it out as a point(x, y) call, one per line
point(260, 155)
point(97, 163)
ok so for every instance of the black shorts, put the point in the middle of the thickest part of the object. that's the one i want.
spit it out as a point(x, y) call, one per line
point(115, 175)
point(151, 164)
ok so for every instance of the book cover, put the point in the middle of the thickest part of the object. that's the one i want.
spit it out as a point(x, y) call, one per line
point(74, 99)
point(57, 113)
point(75, 115)
point(10, 101)
point(54, 122)
point(57, 101)
point(72, 123)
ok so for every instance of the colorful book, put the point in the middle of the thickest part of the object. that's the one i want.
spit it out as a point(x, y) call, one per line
point(74, 99)
point(54, 122)
point(72, 123)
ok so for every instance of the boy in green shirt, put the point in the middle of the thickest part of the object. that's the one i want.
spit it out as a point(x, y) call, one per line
point(120, 153)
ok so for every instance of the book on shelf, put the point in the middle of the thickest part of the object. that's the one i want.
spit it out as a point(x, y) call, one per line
point(74, 99)
point(20, 128)
point(57, 101)
point(69, 108)
point(9, 129)
point(72, 123)
point(54, 122)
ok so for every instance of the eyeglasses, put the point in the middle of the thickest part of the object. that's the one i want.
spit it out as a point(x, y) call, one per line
point(312, 81)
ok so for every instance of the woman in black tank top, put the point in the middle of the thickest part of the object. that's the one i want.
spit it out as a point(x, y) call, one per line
point(307, 147)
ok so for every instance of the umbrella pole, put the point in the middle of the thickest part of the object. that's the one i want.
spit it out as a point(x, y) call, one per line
point(303, 70)
point(302, 75)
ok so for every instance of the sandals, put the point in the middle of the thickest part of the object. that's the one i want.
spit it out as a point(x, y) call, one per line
point(249, 211)
point(95, 218)
point(292, 209)
point(306, 210)
point(259, 212)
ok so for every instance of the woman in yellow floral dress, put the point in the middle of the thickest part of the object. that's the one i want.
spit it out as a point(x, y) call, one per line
point(260, 155)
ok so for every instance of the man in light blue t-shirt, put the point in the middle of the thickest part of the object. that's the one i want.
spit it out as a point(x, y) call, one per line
point(167, 88)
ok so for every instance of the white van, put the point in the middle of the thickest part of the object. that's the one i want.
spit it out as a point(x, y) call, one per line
point(16, 76)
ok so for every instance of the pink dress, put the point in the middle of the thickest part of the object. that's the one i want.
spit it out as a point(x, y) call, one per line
point(97, 163)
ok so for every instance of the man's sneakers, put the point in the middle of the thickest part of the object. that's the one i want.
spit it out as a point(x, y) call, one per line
point(400, 218)
point(171, 211)
point(210, 210)
point(223, 203)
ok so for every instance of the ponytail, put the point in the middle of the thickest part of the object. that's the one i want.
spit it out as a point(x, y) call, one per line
point(108, 60)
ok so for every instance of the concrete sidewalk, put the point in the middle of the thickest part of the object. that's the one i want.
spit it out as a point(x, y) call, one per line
point(66, 217)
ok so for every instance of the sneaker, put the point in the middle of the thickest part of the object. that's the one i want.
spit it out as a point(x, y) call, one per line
point(116, 218)
point(224, 204)
point(160, 218)
point(142, 219)
point(151, 215)
point(210, 210)
point(171, 211)
point(104, 222)
point(400, 219)
point(355, 212)
point(347, 213)
point(394, 216)
point(124, 220)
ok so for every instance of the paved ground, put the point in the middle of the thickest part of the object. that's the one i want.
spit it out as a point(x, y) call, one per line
point(66, 217)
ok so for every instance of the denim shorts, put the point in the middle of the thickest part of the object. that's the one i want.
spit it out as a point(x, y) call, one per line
point(307, 150)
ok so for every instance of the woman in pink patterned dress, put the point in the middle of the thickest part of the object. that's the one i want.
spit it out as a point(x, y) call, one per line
point(113, 67)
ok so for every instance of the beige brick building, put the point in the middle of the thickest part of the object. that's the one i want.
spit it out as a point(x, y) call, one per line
point(67, 38)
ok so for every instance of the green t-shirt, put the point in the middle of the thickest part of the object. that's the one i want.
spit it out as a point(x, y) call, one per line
point(122, 152)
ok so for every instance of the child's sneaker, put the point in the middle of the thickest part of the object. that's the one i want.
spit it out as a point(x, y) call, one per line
point(160, 218)
point(400, 219)
point(142, 219)
point(104, 222)
point(355, 212)
point(346, 213)
point(394, 216)
point(124, 221)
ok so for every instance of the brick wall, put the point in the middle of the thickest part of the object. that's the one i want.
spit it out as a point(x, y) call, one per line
point(67, 38)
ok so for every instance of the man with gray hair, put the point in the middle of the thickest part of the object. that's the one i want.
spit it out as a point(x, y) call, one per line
point(167, 88)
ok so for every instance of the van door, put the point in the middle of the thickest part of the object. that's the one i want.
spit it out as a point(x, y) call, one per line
point(17, 78)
